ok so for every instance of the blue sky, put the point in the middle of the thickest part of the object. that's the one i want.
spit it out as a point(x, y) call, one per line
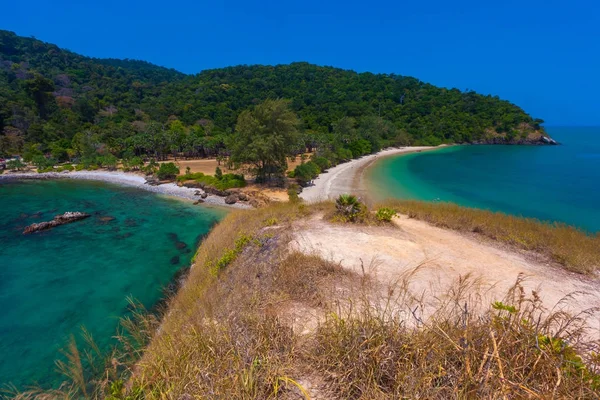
point(541, 55)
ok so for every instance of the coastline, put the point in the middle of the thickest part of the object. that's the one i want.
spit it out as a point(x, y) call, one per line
point(348, 177)
point(126, 179)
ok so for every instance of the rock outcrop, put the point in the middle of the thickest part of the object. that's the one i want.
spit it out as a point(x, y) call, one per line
point(58, 220)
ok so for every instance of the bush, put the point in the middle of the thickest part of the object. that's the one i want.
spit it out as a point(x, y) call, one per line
point(218, 173)
point(385, 214)
point(306, 172)
point(227, 181)
point(15, 165)
point(349, 208)
point(108, 161)
point(167, 171)
point(344, 154)
point(293, 194)
point(151, 168)
point(322, 162)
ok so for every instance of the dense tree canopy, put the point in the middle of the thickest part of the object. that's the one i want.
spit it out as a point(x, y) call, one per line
point(264, 138)
point(65, 106)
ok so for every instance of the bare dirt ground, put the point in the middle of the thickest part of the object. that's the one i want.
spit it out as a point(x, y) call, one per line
point(435, 259)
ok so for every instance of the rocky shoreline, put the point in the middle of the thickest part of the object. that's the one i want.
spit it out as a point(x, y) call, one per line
point(132, 180)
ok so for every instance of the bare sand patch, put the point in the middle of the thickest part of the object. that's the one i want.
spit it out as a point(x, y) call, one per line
point(436, 258)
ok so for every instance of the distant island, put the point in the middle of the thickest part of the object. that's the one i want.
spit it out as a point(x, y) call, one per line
point(58, 106)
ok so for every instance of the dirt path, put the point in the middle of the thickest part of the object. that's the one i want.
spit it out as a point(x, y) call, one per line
point(443, 257)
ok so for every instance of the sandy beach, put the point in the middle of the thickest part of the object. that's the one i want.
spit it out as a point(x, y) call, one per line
point(347, 177)
point(127, 179)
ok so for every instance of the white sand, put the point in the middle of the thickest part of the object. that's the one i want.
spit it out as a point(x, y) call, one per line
point(345, 178)
point(127, 179)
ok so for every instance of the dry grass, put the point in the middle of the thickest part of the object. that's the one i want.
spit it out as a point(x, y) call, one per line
point(226, 334)
point(515, 349)
point(574, 249)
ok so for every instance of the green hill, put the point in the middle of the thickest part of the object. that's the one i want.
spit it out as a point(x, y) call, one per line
point(49, 95)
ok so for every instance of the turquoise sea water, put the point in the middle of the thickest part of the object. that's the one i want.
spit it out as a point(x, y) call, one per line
point(552, 183)
point(54, 282)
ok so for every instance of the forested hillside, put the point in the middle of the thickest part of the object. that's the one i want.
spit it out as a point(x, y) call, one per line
point(67, 106)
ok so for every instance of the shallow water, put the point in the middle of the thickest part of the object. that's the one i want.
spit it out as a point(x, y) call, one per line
point(54, 282)
point(552, 183)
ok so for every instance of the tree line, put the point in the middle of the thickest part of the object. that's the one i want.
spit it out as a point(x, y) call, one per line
point(60, 106)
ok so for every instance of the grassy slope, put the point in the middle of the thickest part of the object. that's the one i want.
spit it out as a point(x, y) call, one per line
point(227, 336)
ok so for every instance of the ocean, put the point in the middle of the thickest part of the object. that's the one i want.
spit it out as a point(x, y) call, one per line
point(550, 183)
point(54, 282)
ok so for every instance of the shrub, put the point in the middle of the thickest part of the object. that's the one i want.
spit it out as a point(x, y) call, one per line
point(109, 161)
point(79, 167)
point(218, 173)
point(348, 207)
point(15, 165)
point(293, 194)
point(306, 172)
point(385, 214)
point(322, 162)
point(227, 181)
point(168, 171)
point(343, 154)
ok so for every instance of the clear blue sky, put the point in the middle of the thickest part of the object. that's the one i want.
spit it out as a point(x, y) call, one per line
point(541, 55)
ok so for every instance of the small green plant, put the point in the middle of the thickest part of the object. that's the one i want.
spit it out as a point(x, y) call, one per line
point(348, 207)
point(218, 173)
point(188, 171)
point(385, 214)
point(293, 193)
point(167, 171)
point(271, 221)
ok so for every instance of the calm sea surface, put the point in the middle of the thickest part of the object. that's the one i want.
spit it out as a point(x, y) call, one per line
point(54, 282)
point(552, 183)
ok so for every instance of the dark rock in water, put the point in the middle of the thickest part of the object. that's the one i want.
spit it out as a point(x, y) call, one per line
point(130, 222)
point(62, 219)
point(173, 236)
point(231, 199)
point(180, 245)
point(106, 218)
point(175, 260)
point(199, 201)
point(204, 195)
point(124, 235)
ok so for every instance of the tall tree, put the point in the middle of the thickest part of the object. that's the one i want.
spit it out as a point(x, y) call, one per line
point(264, 138)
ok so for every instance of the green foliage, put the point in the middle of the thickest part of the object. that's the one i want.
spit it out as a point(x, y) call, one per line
point(218, 173)
point(167, 171)
point(322, 162)
point(77, 109)
point(385, 214)
point(15, 165)
point(265, 136)
point(348, 207)
point(293, 194)
point(229, 255)
point(107, 161)
point(227, 181)
point(306, 172)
